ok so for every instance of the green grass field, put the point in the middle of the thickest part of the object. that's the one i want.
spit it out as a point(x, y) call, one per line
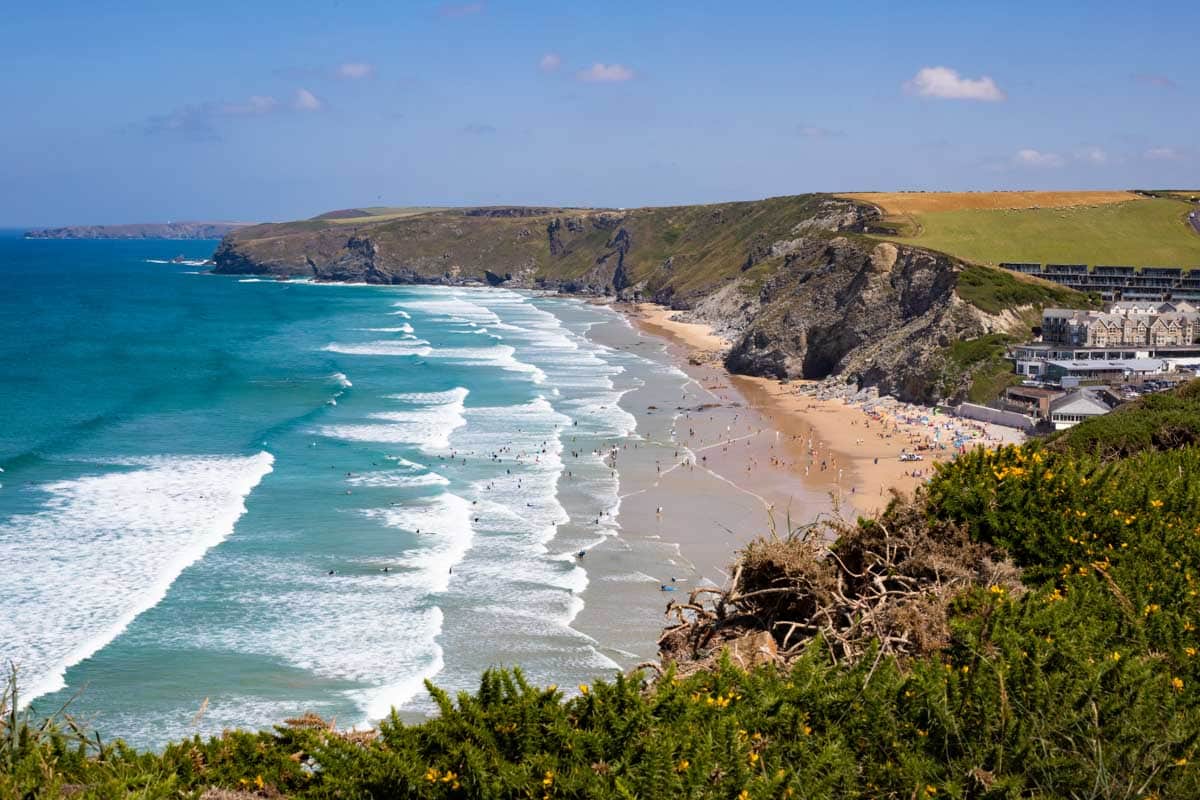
point(1137, 233)
point(382, 213)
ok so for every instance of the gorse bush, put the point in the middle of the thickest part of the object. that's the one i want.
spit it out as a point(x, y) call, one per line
point(1082, 684)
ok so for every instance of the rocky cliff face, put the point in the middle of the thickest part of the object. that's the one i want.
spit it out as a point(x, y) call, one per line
point(789, 279)
point(880, 314)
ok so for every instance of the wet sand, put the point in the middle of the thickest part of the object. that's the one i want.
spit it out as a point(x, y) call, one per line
point(703, 477)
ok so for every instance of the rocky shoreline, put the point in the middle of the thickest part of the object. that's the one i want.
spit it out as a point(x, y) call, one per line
point(793, 282)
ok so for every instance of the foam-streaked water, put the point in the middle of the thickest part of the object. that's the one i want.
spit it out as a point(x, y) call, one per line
point(288, 496)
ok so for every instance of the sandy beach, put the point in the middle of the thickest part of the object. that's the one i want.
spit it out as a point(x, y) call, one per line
point(851, 451)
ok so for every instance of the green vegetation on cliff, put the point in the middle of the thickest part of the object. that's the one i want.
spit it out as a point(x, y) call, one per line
point(984, 361)
point(996, 290)
point(689, 250)
point(1031, 631)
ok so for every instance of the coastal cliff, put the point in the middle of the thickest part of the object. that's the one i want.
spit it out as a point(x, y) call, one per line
point(150, 230)
point(794, 281)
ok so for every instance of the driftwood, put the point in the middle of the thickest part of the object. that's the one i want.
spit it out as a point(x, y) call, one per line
point(880, 587)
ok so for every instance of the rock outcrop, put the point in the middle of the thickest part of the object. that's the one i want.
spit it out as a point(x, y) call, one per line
point(791, 280)
point(879, 314)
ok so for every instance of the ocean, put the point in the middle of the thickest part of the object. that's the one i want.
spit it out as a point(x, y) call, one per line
point(226, 501)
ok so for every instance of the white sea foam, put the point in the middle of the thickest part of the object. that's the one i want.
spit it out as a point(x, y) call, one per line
point(393, 480)
point(404, 463)
point(380, 701)
point(405, 328)
point(500, 355)
point(427, 425)
point(366, 627)
point(456, 395)
point(358, 624)
point(119, 540)
point(411, 347)
point(517, 513)
point(442, 525)
point(341, 380)
point(455, 307)
point(575, 363)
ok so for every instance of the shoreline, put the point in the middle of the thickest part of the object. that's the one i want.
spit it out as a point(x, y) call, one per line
point(848, 450)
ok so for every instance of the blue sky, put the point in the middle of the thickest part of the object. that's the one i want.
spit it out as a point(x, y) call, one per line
point(132, 112)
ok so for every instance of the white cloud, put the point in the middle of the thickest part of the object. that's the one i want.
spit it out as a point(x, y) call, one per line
point(947, 84)
point(255, 106)
point(355, 70)
point(606, 73)
point(1093, 155)
point(1028, 157)
point(550, 62)
point(1163, 154)
point(306, 101)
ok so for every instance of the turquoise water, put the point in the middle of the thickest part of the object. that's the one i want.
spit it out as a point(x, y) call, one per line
point(263, 498)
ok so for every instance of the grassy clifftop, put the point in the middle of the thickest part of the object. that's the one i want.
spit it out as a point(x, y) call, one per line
point(1116, 228)
point(1025, 627)
point(690, 249)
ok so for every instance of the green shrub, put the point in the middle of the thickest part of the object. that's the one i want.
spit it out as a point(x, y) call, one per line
point(993, 290)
